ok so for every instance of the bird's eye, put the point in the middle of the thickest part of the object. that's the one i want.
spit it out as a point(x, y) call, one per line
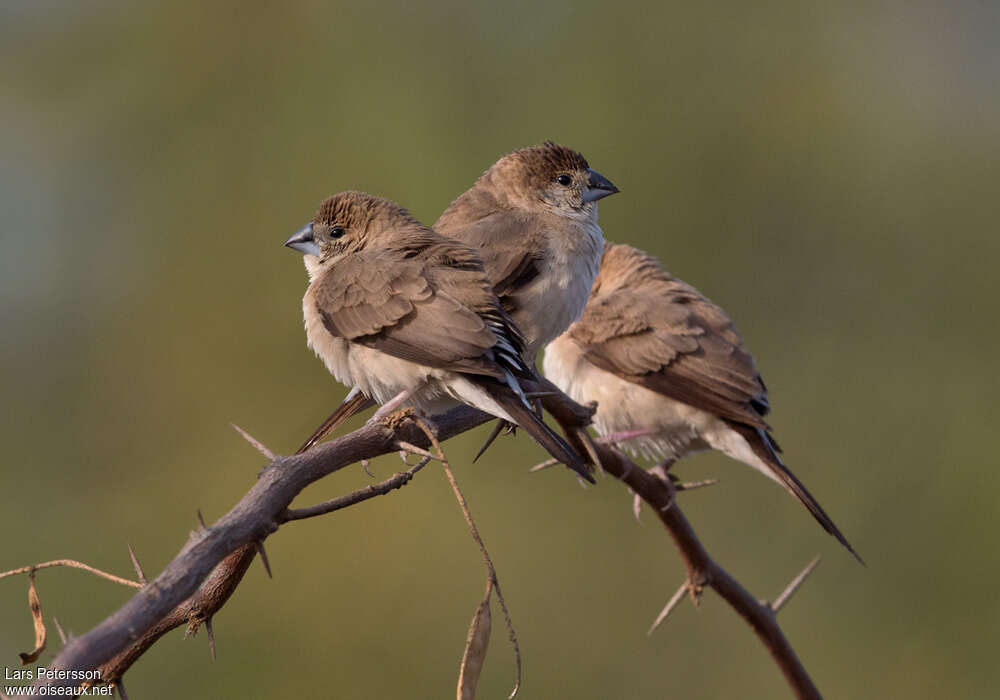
point(564, 180)
point(336, 232)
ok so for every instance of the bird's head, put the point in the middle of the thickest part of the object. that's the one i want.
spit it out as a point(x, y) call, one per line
point(346, 223)
point(550, 177)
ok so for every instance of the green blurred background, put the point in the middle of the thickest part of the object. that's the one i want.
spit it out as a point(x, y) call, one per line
point(826, 173)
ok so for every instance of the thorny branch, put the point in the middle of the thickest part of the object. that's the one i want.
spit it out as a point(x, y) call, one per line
point(702, 570)
point(200, 579)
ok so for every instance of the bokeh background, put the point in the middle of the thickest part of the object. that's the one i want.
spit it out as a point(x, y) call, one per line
point(825, 171)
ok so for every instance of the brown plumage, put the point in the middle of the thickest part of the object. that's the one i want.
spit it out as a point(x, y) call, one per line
point(659, 357)
point(533, 218)
point(408, 317)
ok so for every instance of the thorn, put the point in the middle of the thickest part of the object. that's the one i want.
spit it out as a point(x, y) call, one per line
point(364, 465)
point(120, 687)
point(263, 558)
point(59, 629)
point(691, 485)
point(137, 566)
point(669, 607)
point(794, 585)
point(257, 444)
point(211, 636)
point(544, 465)
point(201, 521)
point(636, 505)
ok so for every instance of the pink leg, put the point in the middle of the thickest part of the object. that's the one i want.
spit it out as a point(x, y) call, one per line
point(612, 438)
point(393, 403)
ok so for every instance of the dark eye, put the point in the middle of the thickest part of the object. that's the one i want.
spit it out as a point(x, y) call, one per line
point(336, 232)
point(564, 180)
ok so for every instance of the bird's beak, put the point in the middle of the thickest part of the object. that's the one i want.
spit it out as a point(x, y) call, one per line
point(598, 187)
point(302, 241)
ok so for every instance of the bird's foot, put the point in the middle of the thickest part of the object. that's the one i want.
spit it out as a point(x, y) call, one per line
point(394, 419)
point(662, 472)
point(393, 404)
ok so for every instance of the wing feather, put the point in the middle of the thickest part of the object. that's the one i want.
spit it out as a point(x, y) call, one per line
point(434, 307)
point(667, 337)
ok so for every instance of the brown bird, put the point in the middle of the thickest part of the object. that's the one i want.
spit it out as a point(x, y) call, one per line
point(408, 318)
point(532, 216)
point(669, 372)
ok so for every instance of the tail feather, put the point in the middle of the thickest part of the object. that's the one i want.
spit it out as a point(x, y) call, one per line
point(766, 449)
point(553, 443)
point(354, 403)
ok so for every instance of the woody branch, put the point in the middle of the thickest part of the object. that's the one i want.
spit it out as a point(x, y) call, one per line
point(204, 574)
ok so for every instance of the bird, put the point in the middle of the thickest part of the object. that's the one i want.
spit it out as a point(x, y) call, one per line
point(669, 372)
point(408, 318)
point(532, 216)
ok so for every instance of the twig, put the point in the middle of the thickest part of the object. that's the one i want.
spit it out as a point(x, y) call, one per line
point(487, 560)
point(209, 567)
point(702, 570)
point(73, 564)
point(204, 574)
point(397, 481)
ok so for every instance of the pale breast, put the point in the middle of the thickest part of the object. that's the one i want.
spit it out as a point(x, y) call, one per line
point(378, 375)
point(335, 352)
point(559, 295)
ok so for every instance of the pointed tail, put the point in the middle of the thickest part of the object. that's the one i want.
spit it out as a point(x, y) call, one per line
point(354, 403)
point(553, 443)
point(766, 449)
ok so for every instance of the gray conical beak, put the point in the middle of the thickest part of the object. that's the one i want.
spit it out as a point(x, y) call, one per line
point(302, 241)
point(598, 187)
